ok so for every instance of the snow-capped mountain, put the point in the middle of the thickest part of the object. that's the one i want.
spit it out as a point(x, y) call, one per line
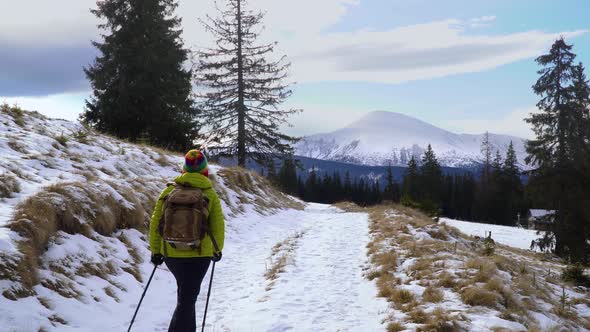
point(383, 137)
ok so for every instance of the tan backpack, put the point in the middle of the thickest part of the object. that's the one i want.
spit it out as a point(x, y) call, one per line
point(185, 217)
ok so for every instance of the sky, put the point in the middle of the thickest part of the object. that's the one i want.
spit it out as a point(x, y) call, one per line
point(463, 65)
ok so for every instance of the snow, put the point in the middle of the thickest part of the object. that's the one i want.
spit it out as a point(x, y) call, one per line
point(510, 236)
point(382, 137)
point(323, 289)
point(536, 213)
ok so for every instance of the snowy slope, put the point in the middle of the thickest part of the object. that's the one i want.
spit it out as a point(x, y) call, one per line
point(510, 236)
point(381, 137)
point(92, 282)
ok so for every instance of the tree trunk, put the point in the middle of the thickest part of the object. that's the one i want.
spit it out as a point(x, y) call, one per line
point(241, 106)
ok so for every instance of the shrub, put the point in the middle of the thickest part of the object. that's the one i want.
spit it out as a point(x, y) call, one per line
point(81, 136)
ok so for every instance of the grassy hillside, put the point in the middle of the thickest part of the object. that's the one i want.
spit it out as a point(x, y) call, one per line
point(75, 206)
point(438, 279)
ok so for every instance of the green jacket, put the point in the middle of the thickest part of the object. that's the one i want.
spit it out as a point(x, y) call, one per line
point(216, 221)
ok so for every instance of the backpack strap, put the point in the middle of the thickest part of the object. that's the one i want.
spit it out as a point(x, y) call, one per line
point(213, 240)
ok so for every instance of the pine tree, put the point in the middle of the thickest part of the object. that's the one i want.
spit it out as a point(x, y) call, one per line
point(287, 176)
point(243, 88)
point(271, 172)
point(557, 149)
point(411, 185)
point(347, 186)
point(140, 87)
point(301, 188)
point(391, 191)
point(486, 152)
point(431, 181)
point(511, 162)
point(312, 186)
point(512, 188)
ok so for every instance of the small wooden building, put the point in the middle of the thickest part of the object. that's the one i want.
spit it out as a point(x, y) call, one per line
point(541, 220)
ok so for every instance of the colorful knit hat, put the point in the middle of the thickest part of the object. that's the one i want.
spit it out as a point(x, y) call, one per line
point(195, 162)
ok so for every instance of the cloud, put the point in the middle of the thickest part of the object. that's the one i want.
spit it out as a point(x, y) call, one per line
point(45, 44)
point(511, 123)
point(481, 22)
point(38, 70)
point(416, 52)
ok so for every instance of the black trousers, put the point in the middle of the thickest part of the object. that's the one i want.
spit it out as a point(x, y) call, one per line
point(189, 273)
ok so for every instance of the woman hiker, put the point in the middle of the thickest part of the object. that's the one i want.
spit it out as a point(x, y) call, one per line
point(187, 233)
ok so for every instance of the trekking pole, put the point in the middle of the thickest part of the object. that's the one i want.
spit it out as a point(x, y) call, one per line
point(208, 294)
point(142, 295)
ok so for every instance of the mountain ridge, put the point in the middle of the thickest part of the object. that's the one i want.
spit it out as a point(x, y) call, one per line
point(381, 137)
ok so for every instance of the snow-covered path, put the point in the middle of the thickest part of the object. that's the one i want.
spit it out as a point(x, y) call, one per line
point(322, 289)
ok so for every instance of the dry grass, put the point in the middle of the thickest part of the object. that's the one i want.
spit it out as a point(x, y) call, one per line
point(440, 321)
point(45, 302)
point(395, 327)
point(446, 280)
point(15, 112)
point(386, 284)
point(8, 185)
point(109, 291)
point(477, 296)
point(74, 208)
point(433, 295)
point(281, 256)
point(14, 144)
point(134, 269)
point(276, 268)
point(511, 281)
point(57, 319)
point(485, 268)
point(254, 189)
point(402, 296)
point(386, 260)
point(64, 288)
point(62, 140)
point(417, 316)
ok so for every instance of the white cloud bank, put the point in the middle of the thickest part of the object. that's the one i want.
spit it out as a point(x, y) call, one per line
point(512, 123)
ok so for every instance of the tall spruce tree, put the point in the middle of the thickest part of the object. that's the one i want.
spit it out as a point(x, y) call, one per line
point(512, 188)
point(391, 191)
point(431, 181)
point(287, 176)
point(411, 181)
point(242, 89)
point(486, 153)
point(559, 129)
point(140, 87)
point(431, 174)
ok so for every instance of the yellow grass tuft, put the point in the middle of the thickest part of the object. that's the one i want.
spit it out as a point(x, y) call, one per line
point(433, 295)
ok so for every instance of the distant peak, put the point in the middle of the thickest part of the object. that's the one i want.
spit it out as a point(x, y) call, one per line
point(386, 118)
